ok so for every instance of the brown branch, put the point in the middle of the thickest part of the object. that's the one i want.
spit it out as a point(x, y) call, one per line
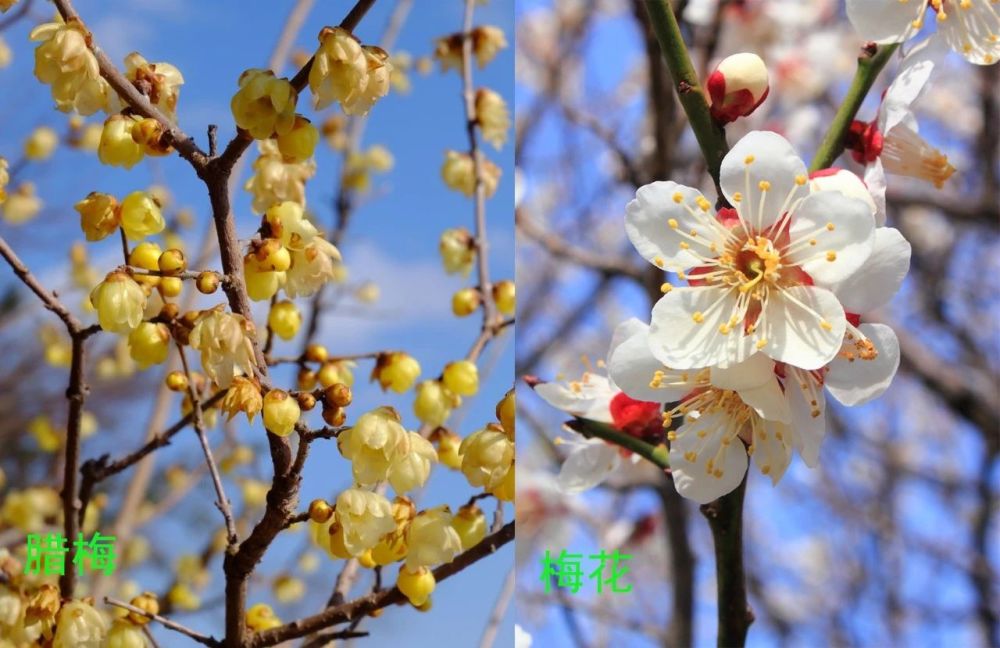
point(49, 299)
point(725, 518)
point(166, 623)
point(379, 599)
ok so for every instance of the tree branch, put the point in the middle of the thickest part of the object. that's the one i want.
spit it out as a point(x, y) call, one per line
point(725, 518)
point(166, 623)
point(657, 455)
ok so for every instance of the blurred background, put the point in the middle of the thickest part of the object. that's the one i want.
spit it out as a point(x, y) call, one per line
point(894, 539)
point(395, 295)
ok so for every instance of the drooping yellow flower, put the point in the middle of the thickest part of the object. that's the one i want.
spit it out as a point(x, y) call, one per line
point(377, 86)
point(448, 444)
point(396, 371)
point(370, 444)
point(492, 116)
point(22, 204)
point(63, 60)
point(41, 144)
point(79, 625)
point(225, 346)
point(98, 215)
point(461, 377)
point(274, 181)
point(262, 283)
point(340, 68)
point(487, 40)
point(299, 143)
point(161, 82)
point(458, 251)
point(504, 296)
point(506, 410)
point(433, 403)
point(117, 147)
point(281, 412)
point(119, 302)
point(141, 216)
point(311, 268)
point(487, 456)
point(261, 617)
point(149, 343)
point(431, 539)
point(470, 524)
point(124, 634)
point(411, 466)
point(264, 106)
point(417, 584)
point(364, 517)
point(459, 173)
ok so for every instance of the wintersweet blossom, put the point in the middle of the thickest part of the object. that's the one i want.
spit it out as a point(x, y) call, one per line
point(161, 82)
point(339, 71)
point(225, 346)
point(492, 116)
point(264, 106)
point(364, 517)
point(759, 273)
point(431, 539)
point(970, 27)
point(370, 444)
point(275, 181)
point(311, 268)
point(119, 302)
point(64, 61)
point(79, 624)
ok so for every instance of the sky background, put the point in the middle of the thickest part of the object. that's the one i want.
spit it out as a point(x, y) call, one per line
point(392, 241)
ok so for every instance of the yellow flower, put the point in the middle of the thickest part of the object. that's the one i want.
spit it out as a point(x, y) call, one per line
point(461, 377)
point(22, 204)
point(336, 371)
point(58, 350)
point(145, 256)
point(124, 634)
point(288, 589)
point(458, 251)
point(506, 410)
point(274, 181)
point(118, 147)
point(311, 268)
point(27, 510)
point(281, 412)
point(431, 539)
point(411, 465)
point(458, 173)
point(486, 42)
point(140, 216)
point(41, 144)
point(377, 85)
point(465, 301)
point(470, 524)
point(370, 445)
point(487, 456)
point(396, 371)
point(47, 437)
point(433, 403)
point(364, 517)
point(149, 343)
point(340, 68)
point(79, 625)
point(402, 62)
point(448, 444)
point(161, 82)
point(98, 215)
point(504, 296)
point(262, 284)
point(182, 597)
point(299, 143)
point(284, 319)
point(119, 302)
point(225, 346)
point(492, 116)
point(261, 617)
point(63, 60)
point(264, 105)
point(288, 223)
point(417, 585)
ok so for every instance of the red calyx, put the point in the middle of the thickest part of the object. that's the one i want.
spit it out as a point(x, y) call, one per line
point(864, 141)
point(636, 418)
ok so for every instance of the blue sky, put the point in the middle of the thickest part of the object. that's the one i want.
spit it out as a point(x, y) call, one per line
point(392, 240)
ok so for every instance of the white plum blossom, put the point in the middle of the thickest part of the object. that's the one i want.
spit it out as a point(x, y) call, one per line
point(760, 273)
point(969, 27)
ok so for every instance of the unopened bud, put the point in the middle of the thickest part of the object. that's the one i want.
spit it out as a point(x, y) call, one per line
point(737, 86)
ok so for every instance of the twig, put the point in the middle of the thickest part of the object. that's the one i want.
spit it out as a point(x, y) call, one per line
point(725, 518)
point(657, 455)
point(166, 623)
point(499, 609)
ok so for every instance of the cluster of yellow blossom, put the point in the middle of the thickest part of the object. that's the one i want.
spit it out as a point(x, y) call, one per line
point(459, 173)
point(380, 448)
point(138, 215)
point(275, 181)
point(487, 40)
point(64, 61)
point(360, 165)
point(396, 371)
point(345, 71)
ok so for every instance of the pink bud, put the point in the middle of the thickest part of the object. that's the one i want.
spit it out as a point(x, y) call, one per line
point(737, 86)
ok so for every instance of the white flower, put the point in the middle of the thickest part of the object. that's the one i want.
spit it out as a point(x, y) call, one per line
point(522, 639)
point(970, 27)
point(589, 397)
point(762, 271)
point(589, 463)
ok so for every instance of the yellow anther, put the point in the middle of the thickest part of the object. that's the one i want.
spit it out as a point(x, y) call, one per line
point(827, 326)
point(672, 223)
point(665, 288)
point(831, 256)
point(812, 241)
point(671, 436)
point(724, 329)
point(761, 343)
point(717, 474)
point(681, 275)
point(698, 317)
point(764, 185)
point(693, 233)
point(702, 434)
point(678, 197)
point(691, 456)
point(766, 470)
point(749, 159)
point(830, 227)
point(703, 203)
point(658, 262)
point(815, 413)
point(801, 180)
point(737, 197)
point(684, 245)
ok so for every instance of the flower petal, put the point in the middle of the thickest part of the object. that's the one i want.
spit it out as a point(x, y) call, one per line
point(884, 21)
point(973, 32)
point(880, 279)
point(768, 401)
point(763, 166)
point(772, 450)
point(588, 398)
point(632, 366)
point(684, 332)
point(695, 480)
point(661, 219)
point(587, 466)
point(875, 180)
point(808, 408)
point(859, 381)
point(803, 326)
point(910, 82)
point(843, 229)
point(755, 371)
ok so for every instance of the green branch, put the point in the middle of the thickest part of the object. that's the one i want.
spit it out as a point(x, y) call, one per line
point(870, 64)
point(657, 455)
point(711, 138)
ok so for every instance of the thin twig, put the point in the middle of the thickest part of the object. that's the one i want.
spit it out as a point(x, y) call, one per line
point(166, 623)
point(499, 610)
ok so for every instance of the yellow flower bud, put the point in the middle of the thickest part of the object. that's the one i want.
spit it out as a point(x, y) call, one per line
point(261, 284)
point(461, 377)
point(271, 255)
point(465, 302)
point(433, 403)
point(161, 81)
point(431, 539)
point(119, 302)
point(64, 61)
point(176, 381)
point(207, 282)
point(506, 411)
point(79, 624)
point(98, 215)
point(335, 372)
point(492, 116)
point(171, 287)
point(503, 295)
point(285, 319)
point(320, 511)
point(148, 344)
point(281, 412)
point(117, 148)
point(244, 396)
point(261, 617)
point(340, 395)
point(146, 602)
point(264, 106)
point(299, 143)
point(172, 261)
point(448, 444)
point(470, 524)
point(41, 144)
point(487, 456)
point(149, 133)
point(336, 540)
point(458, 251)
point(182, 597)
point(140, 216)
point(396, 371)
point(417, 585)
point(146, 255)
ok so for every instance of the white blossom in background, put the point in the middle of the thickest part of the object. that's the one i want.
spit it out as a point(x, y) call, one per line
point(969, 27)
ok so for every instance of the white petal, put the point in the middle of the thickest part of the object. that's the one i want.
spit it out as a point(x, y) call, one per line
point(587, 466)
point(975, 39)
point(650, 220)
point(910, 82)
point(772, 450)
point(844, 230)
point(875, 180)
point(808, 421)
point(625, 330)
point(693, 479)
point(768, 401)
point(681, 342)
point(632, 366)
point(753, 372)
point(859, 381)
point(763, 156)
point(589, 397)
point(803, 326)
point(883, 21)
point(880, 278)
